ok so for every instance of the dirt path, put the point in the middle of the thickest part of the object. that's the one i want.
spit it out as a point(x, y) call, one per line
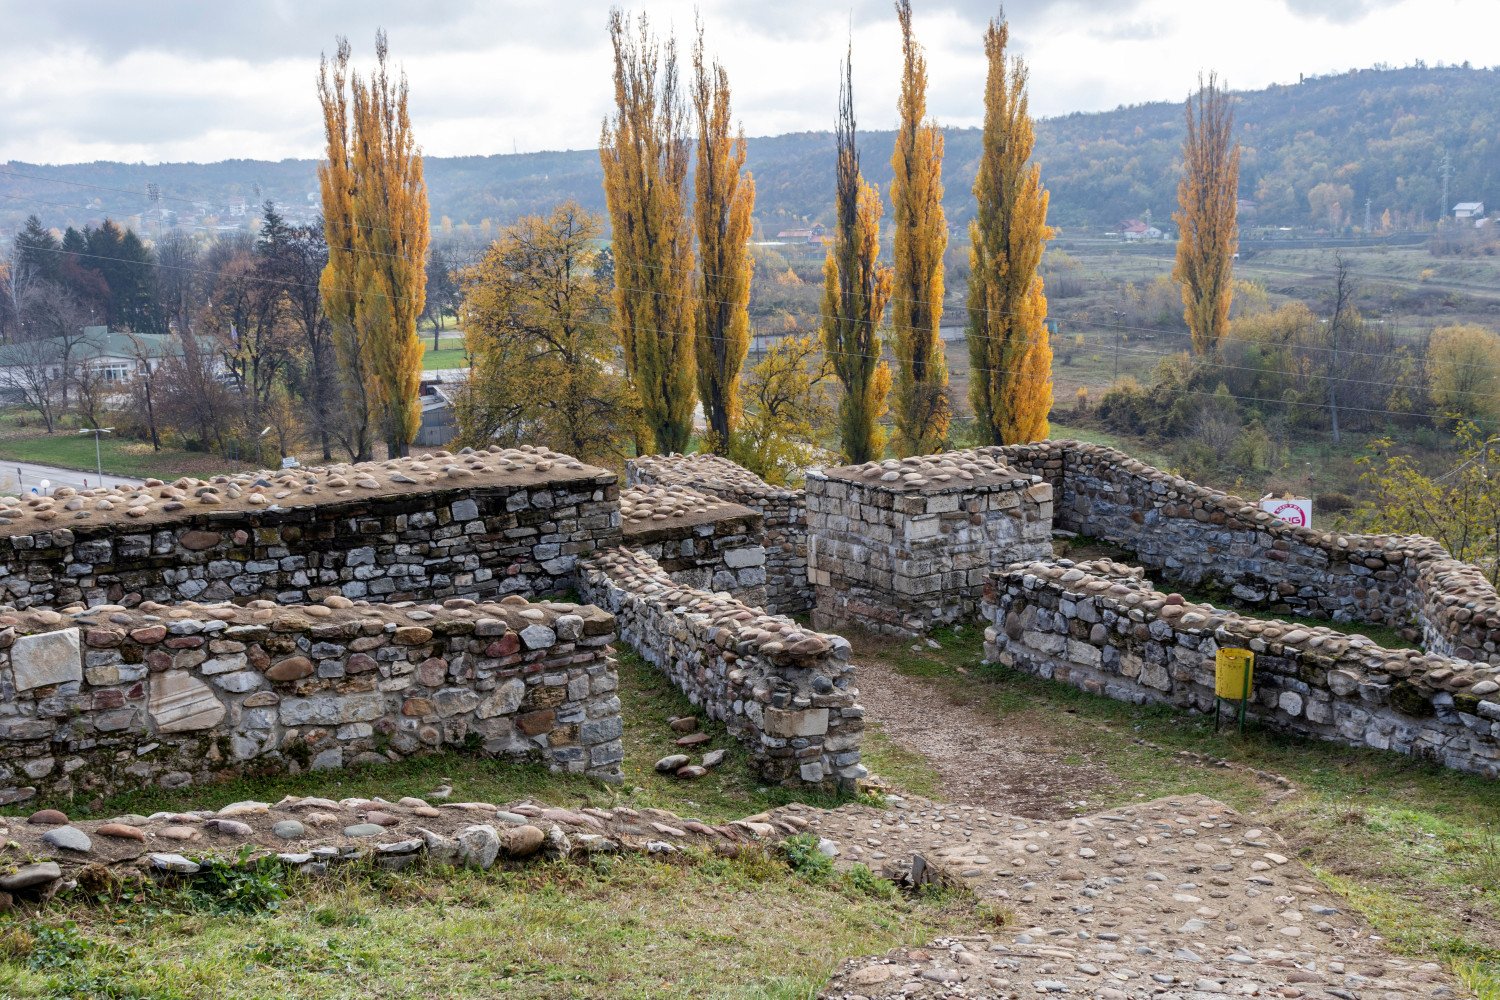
point(1008, 765)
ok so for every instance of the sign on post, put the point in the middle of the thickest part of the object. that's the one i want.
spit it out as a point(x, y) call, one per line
point(1292, 510)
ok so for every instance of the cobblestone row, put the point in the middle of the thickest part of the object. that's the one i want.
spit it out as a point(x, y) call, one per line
point(1176, 899)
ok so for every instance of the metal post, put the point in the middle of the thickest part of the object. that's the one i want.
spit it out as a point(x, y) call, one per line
point(98, 457)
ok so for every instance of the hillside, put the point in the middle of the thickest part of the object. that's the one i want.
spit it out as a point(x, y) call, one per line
point(1313, 153)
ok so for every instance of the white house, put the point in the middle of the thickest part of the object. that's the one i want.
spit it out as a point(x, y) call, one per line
point(1468, 210)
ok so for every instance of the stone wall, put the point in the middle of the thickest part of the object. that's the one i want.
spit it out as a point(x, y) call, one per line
point(784, 691)
point(1199, 537)
point(901, 546)
point(700, 540)
point(783, 516)
point(101, 699)
point(1118, 638)
point(479, 525)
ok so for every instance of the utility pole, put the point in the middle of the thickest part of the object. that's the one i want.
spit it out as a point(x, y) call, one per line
point(98, 456)
point(1447, 170)
point(1119, 323)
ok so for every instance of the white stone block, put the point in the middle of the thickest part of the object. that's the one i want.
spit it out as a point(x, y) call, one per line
point(47, 658)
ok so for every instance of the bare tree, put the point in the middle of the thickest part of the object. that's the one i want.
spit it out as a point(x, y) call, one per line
point(1343, 317)
point(43, 358)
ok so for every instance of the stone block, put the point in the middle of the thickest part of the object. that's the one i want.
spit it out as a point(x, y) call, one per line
point(180, 702)
point(791, 723)
point(46, 658)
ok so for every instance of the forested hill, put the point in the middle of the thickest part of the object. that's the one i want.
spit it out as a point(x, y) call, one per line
point(1313, 153)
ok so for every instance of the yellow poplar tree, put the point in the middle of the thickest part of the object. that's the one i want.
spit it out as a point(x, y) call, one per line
point(725, 199)
point(337, 283)
point(856, 288)
point(388, 228)
point(645, 150)
point(1205, 216)
point(1010, 356)
point(921, 238)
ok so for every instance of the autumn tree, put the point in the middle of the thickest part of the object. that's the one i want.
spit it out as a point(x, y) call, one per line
point(856, 287)
point(537, 319)
point(921, 238)
point(645, 150)
point(725, 197)
point(1463, 372)
point(375, 198)
point(1206, 200)
point(1010, 356)
point(1460, 508)
point(786, 407)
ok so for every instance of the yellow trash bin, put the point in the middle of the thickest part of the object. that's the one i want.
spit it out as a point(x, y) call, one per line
point(1234, 671)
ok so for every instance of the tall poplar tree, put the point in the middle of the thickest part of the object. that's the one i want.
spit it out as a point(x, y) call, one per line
point(856, 287)
point(391, 231)
point(1010, 357)
point(377, 226)
point(1206, 200)
point(645, 150)
point(921, 238)
point(725, 199)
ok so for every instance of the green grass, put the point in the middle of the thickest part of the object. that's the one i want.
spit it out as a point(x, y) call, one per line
point(625, 927)
point(697, 926)
point(1413, 846)
point(135, 459)
point(448, 357)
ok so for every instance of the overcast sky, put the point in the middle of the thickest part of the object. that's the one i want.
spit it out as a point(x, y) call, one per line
point(164, 80)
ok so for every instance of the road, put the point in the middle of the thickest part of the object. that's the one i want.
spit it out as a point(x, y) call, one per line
point(21, 477)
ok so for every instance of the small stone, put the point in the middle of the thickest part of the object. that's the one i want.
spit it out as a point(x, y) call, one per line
point(68, 838)
point(521, 841)
point(684, 724)
point(289, 829)
point(30, 876)
point(691, 772)
point(694, 739)
point(478, 846)
point(229, 827)
point(713, 758)
point(179, 833)
point(174, 863)
point(47, 817)
point(670, 763)
point(364, 830)
point(120, 831)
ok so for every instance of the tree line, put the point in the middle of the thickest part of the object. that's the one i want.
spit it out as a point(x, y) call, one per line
point(603, 351)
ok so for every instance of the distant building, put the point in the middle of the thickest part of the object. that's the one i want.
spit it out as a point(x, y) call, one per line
point(814, 234)
point(1135, 229)
point(113, 358)
point(1468, 210)
point(237, 208)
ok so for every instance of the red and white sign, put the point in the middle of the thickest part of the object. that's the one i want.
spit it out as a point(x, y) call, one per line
point(1292, 510)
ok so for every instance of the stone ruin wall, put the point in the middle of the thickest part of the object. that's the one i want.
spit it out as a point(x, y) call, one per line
point(106, 698)
point(1206, 538)
point(785, 692)
point(902, 545)
point(783, 516)
point(481, 525)
point(148, 686)
point(700, 540)
point(1117, 637)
